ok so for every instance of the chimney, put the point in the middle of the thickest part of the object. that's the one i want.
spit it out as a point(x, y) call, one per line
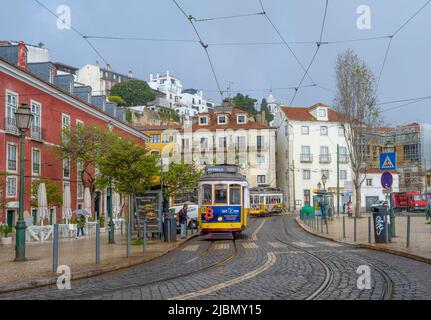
point(22, 55)
point(167, 73)
point(130, 75)
point(108, 67)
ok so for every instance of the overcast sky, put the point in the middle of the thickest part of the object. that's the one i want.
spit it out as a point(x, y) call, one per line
point(406, 73)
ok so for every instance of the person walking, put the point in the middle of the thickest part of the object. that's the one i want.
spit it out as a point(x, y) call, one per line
point(428, 213)
point(182, 217)
point(80, 226)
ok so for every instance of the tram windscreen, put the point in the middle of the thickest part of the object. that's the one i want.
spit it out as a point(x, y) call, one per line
point(220, 192)
point(235, 195)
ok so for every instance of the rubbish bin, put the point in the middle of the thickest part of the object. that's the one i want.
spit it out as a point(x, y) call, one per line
point(306, 212)
point(382, 227)
point(170, 226)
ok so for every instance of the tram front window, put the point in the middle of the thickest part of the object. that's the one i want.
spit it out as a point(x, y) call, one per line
point(207, 194)
point(235, 195)
point(220, 192)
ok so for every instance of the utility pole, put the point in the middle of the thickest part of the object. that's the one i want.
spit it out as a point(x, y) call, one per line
point(338, 179)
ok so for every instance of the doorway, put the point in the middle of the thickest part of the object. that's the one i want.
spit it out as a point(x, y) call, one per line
point(10, 218)
point(97, 205)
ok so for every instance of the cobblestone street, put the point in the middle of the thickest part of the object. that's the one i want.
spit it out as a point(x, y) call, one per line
point(274, 259)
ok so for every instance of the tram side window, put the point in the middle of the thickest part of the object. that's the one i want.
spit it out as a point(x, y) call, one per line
point(256, 200)
point(207, 192)
point(235, 195)
point(220, 192)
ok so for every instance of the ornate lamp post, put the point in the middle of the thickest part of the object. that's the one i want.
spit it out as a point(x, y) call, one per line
point(23, 117)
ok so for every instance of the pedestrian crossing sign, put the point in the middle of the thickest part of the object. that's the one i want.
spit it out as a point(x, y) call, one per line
point(388, 161)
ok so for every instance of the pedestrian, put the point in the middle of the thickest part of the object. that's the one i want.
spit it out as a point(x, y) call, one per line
point(344, 208)
point(182, 217)
point(80, 226)
point(427, 215)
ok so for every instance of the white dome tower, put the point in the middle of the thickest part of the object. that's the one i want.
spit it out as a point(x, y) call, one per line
point(272, 104)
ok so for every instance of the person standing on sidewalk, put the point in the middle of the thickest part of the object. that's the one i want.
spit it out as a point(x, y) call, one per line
point(427, 216)
point(80, 226)
point(182, 215)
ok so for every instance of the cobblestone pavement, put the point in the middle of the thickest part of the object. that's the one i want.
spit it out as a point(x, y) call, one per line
point(274, 259)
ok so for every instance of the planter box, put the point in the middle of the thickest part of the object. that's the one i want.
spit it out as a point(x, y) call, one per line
point(6, 241)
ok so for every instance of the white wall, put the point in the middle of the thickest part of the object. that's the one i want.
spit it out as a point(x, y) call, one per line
point(375, 190)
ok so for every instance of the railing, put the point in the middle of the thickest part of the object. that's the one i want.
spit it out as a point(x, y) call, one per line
point(343, 158)
point(10, 125)
point(11, 164)
point(306, 158)
point(325, 158)
point(36, 132)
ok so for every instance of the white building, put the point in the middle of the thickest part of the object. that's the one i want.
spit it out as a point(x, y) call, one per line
point(307, 139)
point(371, 188)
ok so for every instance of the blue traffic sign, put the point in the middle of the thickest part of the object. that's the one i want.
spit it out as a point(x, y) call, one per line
point(387, 180)
point(388, 161)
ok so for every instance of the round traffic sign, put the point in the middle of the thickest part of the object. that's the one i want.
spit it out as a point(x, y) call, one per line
point(386, 180)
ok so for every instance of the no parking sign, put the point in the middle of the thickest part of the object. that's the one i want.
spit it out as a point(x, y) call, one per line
point(386, 180)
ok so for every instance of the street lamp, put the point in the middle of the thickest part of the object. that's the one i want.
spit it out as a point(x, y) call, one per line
point(319, 186)
point(111, 226)
point(23, 117)
point(324, 180)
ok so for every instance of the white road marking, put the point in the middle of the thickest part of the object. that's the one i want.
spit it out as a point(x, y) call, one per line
point(303, 244)
point(329, 244)
point(268, 264)
point(277, 245)
point(249, 245)
point(221, 246)
point(193, 247)
point(253, 235)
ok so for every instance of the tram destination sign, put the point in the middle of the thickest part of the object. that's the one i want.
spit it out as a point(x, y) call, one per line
point(222, 169)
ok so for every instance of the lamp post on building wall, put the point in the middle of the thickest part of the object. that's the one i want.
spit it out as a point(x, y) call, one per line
point(23, 117)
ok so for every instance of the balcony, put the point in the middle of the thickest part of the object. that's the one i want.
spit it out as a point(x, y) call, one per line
point(306, 158)
point(10, 126)
point(325, 158)
point(343, 158)
point(36, 133)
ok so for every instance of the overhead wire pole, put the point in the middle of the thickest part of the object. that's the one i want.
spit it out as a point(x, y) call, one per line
point(204, 45)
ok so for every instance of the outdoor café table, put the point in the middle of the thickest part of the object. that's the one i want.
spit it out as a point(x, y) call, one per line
point(39, 233)
point(90, 228)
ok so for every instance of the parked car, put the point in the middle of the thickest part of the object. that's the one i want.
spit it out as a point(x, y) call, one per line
point(380, 203)
point(192, 213)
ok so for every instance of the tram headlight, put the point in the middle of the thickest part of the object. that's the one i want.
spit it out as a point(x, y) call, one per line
point(220, 219)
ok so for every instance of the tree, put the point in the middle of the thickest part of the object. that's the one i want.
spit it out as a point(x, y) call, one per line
point(133, 92)
point(244, 103)
point(54, 195)
point(118, 100)
point(85, 145)
point(264, 108)
point(355, 101)
point(181, 178)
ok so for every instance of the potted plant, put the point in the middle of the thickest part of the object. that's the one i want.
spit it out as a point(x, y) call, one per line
point(6, 239)
point(102, 223)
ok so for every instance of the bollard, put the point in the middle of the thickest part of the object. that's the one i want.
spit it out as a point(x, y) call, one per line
point(169, 230)
point(321, 224)
point(326, 224)
point(386, 229)
point(354, 228)
point(55, 249)
point(344, 227)
point(97, 243)
point(408, 232)
point(129, 235)
point(145, 237)
point(369, 229)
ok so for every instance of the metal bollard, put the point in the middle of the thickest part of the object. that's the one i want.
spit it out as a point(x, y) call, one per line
point(354, 228)
point(145, 237)
point(55, 249)
point(129, 236)
point(344, 227)
point(408, 232)
point(327, 229)
point(369, 229)
point(97, 243)
point(321, 224)
point(386, 229)
point(169, 230)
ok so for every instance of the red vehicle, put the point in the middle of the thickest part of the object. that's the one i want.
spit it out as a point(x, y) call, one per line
point(410, 201)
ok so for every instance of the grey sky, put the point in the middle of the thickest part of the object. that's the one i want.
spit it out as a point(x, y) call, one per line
point(406, 73)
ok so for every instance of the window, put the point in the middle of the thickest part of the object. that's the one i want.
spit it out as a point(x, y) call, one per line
point(342, 154)
point(305, 130)
point(235, 195)
point(306, 174)
point(222, 142)
point(66, 168)
point(203, 120)
point(305, 154)
point(343, 174)
point(220, 193)
point(242, 159)
point(411, 152)
point(35, 162)
point(207, 194)
point(260, 142)
point(11, 107)
point(80, 191)
point(204, 144)
point(65, 122)
point(186, 144)
point(369, 182)
point(11, 182)
point(323, 130)
point(240, 142)
point(240, 119)
point(79, 123)
point(307, 197)
point(174, 138)
point(165, 138)
point(221, 119)
point(11, 157)
point(340, 131)
point(322, 113)
point(261, 179)
point(260, 159)
point(79, 169)
point(35, 130)
point(326, 173)
point(154, 138)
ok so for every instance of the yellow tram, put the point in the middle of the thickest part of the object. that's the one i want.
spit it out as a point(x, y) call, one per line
point(265, 200)
point(224, 200)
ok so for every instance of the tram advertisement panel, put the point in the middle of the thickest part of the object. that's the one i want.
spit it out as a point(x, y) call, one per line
point(221, 214)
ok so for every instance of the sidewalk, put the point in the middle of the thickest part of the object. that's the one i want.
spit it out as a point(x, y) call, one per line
point(79, 255)
point(420, 235)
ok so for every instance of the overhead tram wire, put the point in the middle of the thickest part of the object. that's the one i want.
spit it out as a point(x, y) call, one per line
point(139, 39)
point(75, 30)
point(205, 46)
point(229, 17)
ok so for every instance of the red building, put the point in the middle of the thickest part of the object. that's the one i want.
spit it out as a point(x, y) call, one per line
point(53, 109)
